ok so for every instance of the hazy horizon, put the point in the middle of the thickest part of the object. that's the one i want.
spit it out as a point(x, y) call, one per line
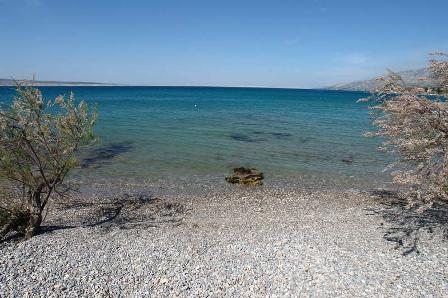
point(311, 44)
point(112, 84)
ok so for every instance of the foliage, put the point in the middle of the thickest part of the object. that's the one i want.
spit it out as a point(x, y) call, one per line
point(38, 142)
point(414, 123)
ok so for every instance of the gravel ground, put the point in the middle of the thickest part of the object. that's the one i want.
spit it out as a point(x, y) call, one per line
point(179, 238)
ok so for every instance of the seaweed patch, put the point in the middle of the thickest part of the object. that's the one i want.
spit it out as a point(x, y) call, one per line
point(244, 138)
point(99, 156)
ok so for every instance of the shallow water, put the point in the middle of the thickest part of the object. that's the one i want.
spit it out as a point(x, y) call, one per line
point(146, 132)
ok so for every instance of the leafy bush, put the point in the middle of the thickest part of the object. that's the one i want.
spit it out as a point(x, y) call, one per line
point(38, 142)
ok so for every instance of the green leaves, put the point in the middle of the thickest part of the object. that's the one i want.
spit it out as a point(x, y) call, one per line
point(39, 138)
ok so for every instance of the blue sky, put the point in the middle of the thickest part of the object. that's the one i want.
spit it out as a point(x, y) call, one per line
point(310, 43)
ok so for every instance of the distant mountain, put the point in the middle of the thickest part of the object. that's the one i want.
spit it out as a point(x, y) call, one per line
point(411, 77)
point(7, 82)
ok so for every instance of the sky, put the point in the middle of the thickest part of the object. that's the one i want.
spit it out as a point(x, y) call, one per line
point(302, 44)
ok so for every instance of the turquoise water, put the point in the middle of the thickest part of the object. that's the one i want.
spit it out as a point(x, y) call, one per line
point(158, 131)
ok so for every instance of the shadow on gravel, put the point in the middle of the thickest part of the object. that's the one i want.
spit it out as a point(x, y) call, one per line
point(126, 212)
point(405, 225)
point(11, 238)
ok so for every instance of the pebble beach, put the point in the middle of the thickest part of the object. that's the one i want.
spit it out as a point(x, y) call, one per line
point(182, 239)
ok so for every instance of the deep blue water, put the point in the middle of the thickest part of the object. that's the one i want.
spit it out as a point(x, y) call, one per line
point(158, 131)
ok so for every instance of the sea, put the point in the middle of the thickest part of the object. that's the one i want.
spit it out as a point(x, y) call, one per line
point(288, 134)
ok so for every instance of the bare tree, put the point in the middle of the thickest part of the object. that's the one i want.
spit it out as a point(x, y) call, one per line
point(38, 142)
point(414, 124)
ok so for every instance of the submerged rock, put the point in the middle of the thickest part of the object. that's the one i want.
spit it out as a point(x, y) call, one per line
point(348, 160)
point(246, 176)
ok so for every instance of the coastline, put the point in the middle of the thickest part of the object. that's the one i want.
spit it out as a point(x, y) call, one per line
point(179, 237)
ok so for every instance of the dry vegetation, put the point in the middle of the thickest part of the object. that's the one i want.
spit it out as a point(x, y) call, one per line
point(414, 124)
point(38, 139)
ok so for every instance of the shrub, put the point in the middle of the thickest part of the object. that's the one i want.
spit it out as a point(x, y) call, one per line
point(38, 142)
point(414, 124)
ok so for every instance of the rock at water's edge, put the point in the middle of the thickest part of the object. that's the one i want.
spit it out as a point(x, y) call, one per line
point(246, 176)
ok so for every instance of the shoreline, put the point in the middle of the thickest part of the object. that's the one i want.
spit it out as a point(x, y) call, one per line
point(195, 181)
point(163, 238)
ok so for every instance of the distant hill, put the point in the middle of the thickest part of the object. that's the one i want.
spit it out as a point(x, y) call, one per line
point(7, 82)
point(411, 77)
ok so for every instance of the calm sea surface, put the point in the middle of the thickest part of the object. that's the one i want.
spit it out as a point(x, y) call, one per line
point(180, 131)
